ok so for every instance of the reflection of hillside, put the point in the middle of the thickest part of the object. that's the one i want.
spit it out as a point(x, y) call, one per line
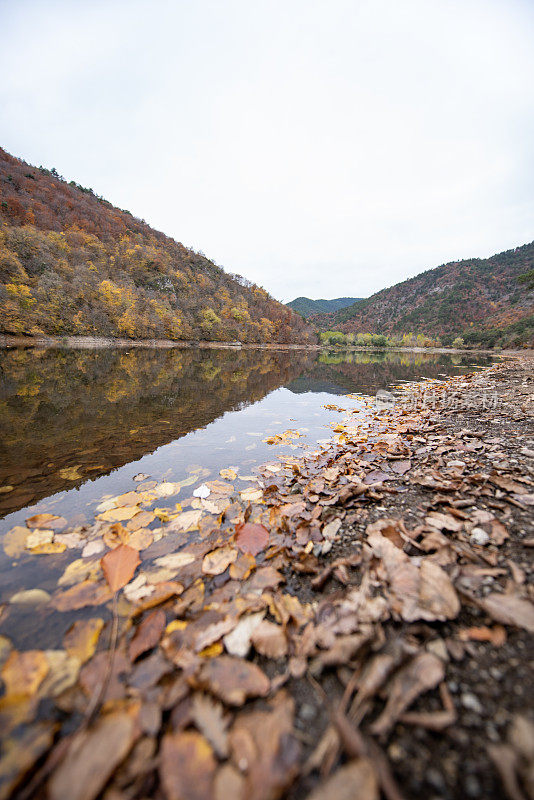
point(344, 372)
point(97, 410)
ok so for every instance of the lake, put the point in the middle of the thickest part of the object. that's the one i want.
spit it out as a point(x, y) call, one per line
point(76, 426)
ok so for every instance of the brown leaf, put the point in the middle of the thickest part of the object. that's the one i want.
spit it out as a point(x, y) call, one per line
point(233, 680)
point(217, 561)
point(209, 718)
point(187, 766)
point(119, 566)
point(86, 593)
point(264, 748)
point(147, 634)
point(48, 521)
point(229, 783)
point(24, 672)
point(269, 640)
point(81, 639)
point(92, 758)
point(509, 609)
point(354, 781)
point(20, 753)
point(251, 538)
point(423, 673)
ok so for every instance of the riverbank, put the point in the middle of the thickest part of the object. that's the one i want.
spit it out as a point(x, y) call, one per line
point(98, 342)
point(359, 616)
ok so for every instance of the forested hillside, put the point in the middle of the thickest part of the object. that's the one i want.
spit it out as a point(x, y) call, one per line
point(307, 307)
point(71, 263)
point(485, 301)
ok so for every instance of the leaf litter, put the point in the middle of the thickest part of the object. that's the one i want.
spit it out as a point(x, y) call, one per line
point(183, 679)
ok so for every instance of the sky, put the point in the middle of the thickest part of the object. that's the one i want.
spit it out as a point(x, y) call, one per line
point(322, 148)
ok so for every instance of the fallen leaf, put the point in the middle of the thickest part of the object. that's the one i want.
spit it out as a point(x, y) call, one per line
point(20, 753)
point(509, 609)
point(147, 634)
point(211, 721)
point(202, 492)
point(251, 538)
point(82, 637)
point(354, 781)
point(187, 766)
point(217, 561)
point(14, 541)
point(422, 673)
point(186, 521)
point(233, 680)
point(237, 642)
point(228, 474)
point(24, 672)
point(30, 597)
point(50, 521)
point(119, 566)
point(119, 514)
point(87, 593)
point(92, 758)
point(63, 673)
point(270, 640)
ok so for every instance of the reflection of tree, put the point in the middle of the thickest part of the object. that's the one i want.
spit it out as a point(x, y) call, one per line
point(366, 372)
point(102, 409)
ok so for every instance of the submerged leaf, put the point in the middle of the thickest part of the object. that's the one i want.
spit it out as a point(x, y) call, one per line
point(119, 566)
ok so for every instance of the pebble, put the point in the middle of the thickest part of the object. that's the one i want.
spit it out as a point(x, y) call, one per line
point(471, 702)
point(307, 711)
point(479, 536)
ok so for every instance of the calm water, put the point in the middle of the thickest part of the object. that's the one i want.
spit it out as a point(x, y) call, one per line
point(78, 425)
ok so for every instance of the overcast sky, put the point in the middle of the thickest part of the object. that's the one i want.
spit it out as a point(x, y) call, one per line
point(318, 147)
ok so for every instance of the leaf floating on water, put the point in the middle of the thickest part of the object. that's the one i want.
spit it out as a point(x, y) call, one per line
point(217, 561)
point(14, 541)
point(119, 566)
point(49, 521)
point(228, 474)
point(251, 495)
point(185, 522)
point(87, 593)
point(203, 492)
point(82, 637)
point(24, 672)
point(251, 538)
point(187, 766)
point(140, 477)
point(119, 514)
point(92, 758)
point(233, 680)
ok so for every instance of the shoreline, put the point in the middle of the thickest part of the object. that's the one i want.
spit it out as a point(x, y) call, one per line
point(393, 563)
point(101, 342)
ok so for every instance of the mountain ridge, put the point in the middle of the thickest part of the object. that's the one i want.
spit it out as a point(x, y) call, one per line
point(307, 307)
point(71, 263)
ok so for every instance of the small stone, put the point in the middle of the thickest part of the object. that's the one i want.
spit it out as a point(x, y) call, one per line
point(439, 648)
point(307, 711)
point(471, 702)
point(479, 536)
point(30, 597)
point(456, 464)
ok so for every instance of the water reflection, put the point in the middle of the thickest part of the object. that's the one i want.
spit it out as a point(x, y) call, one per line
point(68, 416)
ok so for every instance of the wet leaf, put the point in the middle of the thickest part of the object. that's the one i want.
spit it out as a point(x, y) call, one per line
point(233, 680)
point(23, 672)
point(217, 561)
point(63, 673)
point(87, 593)
point(82, 637)
point(119, 514)
point(186, 521)
point(202, 492)
point(92, 757)
point(119, 566)
point(14, 541)
point(147, 634)
point(49, 521)
point(20, 753)
point(30, 597)
point(187, 766)
point(228, 474)
point(251, 538)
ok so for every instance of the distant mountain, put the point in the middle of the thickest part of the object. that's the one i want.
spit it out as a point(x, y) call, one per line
point(307, 307)
point(486, 301)
point(71, 263)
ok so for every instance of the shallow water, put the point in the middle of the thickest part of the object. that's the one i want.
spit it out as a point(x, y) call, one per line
point(77, 426)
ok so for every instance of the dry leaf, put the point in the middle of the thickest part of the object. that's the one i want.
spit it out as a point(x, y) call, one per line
point(233, 680)
point(354, 781)
point(92, 758)
point(24, 672)
point(509, 609)
point(187, 766)
point(119, 566)
point(237, 642)
point(270, 640)
point(210, 719)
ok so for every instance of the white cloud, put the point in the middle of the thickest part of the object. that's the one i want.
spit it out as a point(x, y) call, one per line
point(319, 147)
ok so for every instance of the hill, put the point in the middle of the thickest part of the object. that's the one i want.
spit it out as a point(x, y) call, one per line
point(72, 263)
point(307, 307)
point(486, 301)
